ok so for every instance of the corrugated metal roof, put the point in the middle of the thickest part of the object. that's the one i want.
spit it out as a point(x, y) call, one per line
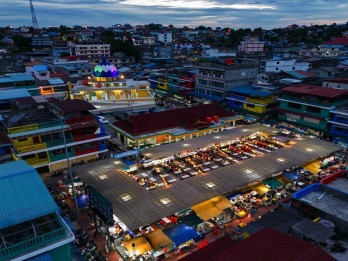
point(13, 94)
point(21, 77)
point(56, 81)
point(23, 195)
point(40, 68)
point(146, 207)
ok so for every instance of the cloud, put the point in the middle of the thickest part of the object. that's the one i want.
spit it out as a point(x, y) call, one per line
point(224, 13)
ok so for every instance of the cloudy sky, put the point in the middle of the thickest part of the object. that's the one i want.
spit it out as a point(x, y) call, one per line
point(224, 13)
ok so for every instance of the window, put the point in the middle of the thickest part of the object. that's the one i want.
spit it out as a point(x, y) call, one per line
point(203, 82)
point(42, 155)
point(217, 84)
point(28, 156)
point(311, 120)
point(250, 105)
point(86, 146)
point(313, 109)
point(294, 105)
point(60, 151)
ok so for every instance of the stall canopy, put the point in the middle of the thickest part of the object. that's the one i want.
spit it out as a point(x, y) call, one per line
point(191, 219)
point(292, 175)
point(272, 183)
point(180, 233)
point(158, 239)
point(140, 244)
point(212, 208)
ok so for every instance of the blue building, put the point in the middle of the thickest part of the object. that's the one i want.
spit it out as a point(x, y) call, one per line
point(338, 128)
point(30, 226)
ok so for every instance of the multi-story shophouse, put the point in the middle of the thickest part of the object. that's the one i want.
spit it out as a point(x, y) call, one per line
point(213, 80)
point(176, 82)
point(39, 129)
point(278, 66)
point(30, 226)
point(256, 100)
point(251, 44)
point(90, 49)
point(310, 106)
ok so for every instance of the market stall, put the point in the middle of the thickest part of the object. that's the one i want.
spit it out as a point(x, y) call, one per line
point(181, 234)
point(211, 208)
point(137, 246)
point(272, 183)
point(159, 242)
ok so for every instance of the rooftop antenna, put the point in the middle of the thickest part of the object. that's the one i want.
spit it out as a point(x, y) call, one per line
point(33, 16)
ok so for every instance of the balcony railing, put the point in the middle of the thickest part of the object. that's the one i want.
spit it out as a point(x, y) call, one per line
point(36, 161)
point(32, 244)
point(22, 128)
point(32, 148)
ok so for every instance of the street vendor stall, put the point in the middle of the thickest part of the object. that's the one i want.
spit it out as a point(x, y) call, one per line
point(181, 235)
point(272, 183)
point(137, 246)
point(159, 242)
point(211, 208)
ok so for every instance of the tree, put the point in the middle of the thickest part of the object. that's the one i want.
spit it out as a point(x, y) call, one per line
point(23, 43)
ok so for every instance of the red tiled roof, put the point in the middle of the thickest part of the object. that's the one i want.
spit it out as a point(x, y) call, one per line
point(265, 245)
point(305, 73)
point(69, 106)
point(337, 41)
point(315, 91)
point(187, 118)
point(337, 80)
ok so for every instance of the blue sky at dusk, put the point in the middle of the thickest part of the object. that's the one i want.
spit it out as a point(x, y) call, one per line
point(224, 13)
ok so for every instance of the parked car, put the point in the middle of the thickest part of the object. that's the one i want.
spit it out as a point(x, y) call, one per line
point(103, 120)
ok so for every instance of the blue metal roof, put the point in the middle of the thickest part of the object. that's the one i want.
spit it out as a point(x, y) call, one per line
point(23, 195)
point(40, 68)
point(254, 91)
point(13, 94)
point(21, 77)
point(180, 233)
point(205, 96)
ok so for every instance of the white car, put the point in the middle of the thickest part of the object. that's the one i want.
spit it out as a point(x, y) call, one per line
point(103, 120)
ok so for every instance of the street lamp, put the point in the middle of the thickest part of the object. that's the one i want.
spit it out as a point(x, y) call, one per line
point(62, 120)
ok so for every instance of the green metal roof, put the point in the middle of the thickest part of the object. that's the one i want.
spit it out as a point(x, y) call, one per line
point(23, 195)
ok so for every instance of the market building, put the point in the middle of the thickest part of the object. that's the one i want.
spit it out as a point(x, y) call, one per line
point(194, 180)
point(309, 106)
point(174, 125)
point(256, 100)
point(108, 91)
point(30, 226)
point(38, 130)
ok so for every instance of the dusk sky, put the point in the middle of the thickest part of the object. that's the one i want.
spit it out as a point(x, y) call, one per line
point(267, 14)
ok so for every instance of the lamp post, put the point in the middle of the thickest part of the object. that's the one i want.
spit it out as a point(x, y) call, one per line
point(69, 166)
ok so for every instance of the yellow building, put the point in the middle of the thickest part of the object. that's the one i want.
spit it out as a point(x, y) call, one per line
point(107, 90)
point(256, 100)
